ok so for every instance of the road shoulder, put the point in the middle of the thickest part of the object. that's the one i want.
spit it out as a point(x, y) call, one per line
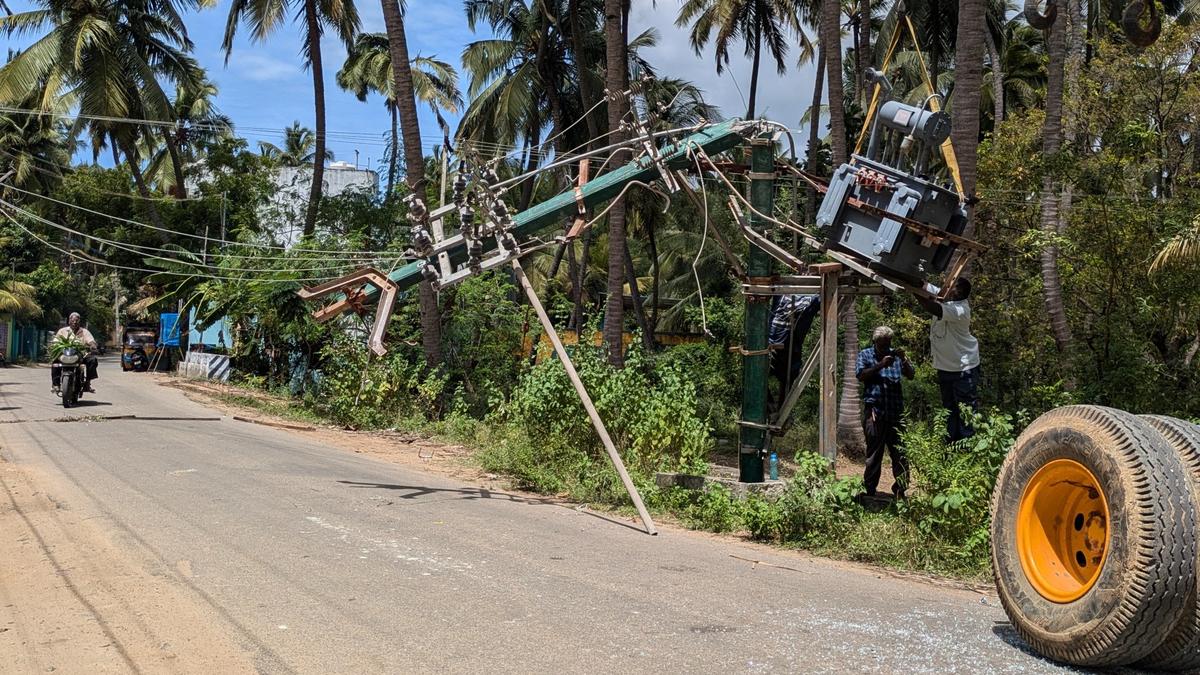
point(72, 600)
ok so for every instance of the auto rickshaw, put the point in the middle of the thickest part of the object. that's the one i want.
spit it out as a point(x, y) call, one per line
point(138, 344)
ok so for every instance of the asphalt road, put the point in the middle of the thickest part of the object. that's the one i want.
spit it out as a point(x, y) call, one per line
point(311, 559)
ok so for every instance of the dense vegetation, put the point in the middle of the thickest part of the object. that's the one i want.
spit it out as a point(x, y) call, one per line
point(1080, 148)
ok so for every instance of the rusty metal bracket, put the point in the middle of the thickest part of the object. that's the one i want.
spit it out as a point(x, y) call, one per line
point(353, 287)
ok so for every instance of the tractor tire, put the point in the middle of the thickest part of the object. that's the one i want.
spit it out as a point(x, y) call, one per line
point(1181, 651)
point(1093, 546)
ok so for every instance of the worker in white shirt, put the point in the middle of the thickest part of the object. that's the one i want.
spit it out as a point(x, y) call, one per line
point(74, 329)
point(955, 354)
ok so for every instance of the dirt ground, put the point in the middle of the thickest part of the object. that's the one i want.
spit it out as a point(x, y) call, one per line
point(71, 599)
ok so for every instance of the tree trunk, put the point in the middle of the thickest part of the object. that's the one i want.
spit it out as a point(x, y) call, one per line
point(139, 180)
point(414, 164)
point(531, 162)
point(831, 46)
point(850, 415)
point(580, 279)
point(652, 243)
point(394, 159)
point(863, 51)
point(754, 71)
point(318, 176)
point(616, 70)
point(997, 79)
point(587, 90)
point(180, 191)
point(814, 136)
point(406, 101)
point(1051, 142)
point(935, 47)
point(968, 84)
point(849, 424)
point(639, 309)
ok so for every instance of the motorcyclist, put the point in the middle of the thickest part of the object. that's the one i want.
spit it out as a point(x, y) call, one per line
point(73, 329)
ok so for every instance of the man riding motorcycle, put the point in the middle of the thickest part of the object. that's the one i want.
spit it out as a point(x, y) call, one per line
point(73, 329)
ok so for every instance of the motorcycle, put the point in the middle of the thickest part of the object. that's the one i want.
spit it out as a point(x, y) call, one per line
point(72, 377)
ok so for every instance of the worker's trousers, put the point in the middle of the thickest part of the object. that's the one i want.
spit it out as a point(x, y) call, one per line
point(959, 389)
point(883, 434)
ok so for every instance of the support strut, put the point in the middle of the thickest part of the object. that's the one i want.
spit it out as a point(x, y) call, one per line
point(593, 415)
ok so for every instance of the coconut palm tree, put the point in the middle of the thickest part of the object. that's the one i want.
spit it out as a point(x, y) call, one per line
point(197, 122)
point(107, 58)
point(368, 68)
point(616, 78)
point(264, 18)
point(34, 152)
point(1016, 74)
point(760, 24)
point(18, 298)
point(521, 79)
point(299, 147)
point(414, 174)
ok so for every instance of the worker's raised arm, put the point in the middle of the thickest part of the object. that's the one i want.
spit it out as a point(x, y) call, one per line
point(930, 302)
point(930, 305)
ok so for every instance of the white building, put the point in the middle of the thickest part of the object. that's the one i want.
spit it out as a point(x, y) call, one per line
point(285, 212)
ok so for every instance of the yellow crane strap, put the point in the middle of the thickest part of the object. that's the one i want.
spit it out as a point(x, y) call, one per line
point(947, 147)
point(887, 59)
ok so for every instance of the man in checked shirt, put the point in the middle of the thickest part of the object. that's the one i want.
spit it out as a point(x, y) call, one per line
point(880, 369)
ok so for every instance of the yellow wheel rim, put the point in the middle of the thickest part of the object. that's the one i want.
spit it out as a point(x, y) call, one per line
point(1062, 530)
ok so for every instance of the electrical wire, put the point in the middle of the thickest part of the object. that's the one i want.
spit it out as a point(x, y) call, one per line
point(103, 192)
point(703, 241)
point(146, 250)
point(349, 254)
point(151, 271)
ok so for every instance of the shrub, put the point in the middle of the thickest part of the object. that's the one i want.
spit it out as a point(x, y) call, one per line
point(650, 413)
point(360, 390)
point(952, 483)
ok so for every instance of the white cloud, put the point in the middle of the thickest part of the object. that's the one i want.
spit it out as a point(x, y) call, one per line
point(259, 66)
point(782, 98)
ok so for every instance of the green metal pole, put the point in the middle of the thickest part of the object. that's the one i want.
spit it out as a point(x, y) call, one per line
point(756, 364)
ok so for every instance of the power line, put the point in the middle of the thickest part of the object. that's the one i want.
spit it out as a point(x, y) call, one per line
point(150, 271)
point(349, 254)
point(146, 250)
point(58, 165)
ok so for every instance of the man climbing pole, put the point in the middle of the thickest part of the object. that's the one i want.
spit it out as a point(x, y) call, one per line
point(791, 320)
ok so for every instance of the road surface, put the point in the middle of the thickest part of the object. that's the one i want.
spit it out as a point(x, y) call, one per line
point(199, 545)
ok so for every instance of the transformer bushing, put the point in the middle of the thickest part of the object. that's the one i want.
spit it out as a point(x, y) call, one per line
point(893, 179)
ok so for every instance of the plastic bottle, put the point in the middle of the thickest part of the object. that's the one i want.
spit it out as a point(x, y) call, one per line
point(774, 466)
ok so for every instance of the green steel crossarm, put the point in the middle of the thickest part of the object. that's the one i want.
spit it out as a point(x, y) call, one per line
point(713, 139)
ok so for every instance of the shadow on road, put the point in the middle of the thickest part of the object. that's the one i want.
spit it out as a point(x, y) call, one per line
point(9, 407)
point(1006, 632)
point(419, 491)
point(86, 404)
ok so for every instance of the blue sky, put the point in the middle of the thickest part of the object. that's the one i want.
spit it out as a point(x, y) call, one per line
point(264, 87)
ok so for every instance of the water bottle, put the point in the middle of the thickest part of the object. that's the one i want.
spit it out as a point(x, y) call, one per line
point(774, 466)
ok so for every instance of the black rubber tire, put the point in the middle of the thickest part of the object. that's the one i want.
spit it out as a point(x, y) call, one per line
point(68, 389)
point(1181, 650)
point(1141, 593)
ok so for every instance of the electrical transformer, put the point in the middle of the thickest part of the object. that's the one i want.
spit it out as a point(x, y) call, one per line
point(893, 179)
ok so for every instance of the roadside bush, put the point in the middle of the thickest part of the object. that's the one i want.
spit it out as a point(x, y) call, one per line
point(952, 483)
point(650, 413)
point(362, 391)
point(712, 509)
point(815, 508)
